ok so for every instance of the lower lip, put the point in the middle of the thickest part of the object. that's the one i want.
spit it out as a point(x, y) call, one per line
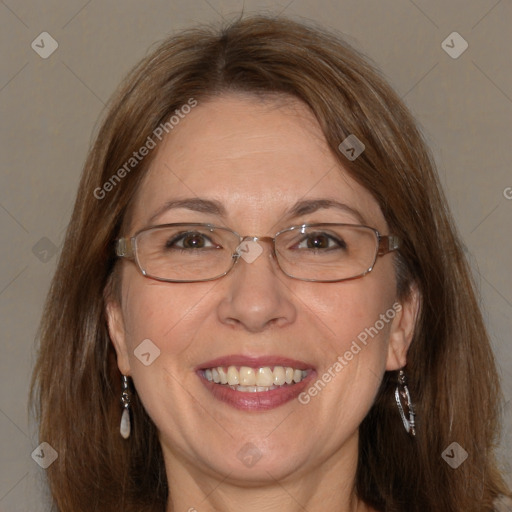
point(259, 400)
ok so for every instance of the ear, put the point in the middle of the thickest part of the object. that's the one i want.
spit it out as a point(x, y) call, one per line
point(116, 329)
point(402, 329)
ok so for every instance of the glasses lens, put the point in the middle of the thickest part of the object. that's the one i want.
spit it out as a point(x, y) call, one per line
point(185, 252)
point(327, 252)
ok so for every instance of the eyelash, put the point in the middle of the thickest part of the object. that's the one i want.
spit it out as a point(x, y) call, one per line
point(171, 244)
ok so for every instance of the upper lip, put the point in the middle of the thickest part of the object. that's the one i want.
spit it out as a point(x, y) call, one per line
point(255, 362)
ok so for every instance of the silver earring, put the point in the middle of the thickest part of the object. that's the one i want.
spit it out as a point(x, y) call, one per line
point(125, 427)
point(402, 391)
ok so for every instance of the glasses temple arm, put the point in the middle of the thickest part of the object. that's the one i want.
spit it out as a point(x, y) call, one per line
point(388, 243)
point(124, 248)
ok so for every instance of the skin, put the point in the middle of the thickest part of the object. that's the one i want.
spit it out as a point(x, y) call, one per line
point(257, 158)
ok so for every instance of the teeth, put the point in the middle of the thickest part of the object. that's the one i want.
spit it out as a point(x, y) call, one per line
point(233, 376)
point(252, 389)
point(264, 377)
point(247, 376)
point(223, 375)
point(252, 380)
point(279, 376)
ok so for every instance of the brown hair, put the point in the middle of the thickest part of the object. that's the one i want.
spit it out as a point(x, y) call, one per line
point(451, 370)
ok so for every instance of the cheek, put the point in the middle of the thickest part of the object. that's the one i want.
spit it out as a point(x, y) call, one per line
point(355, 318)
point(164, 321)
point(161, 322)
point(353, 310)
point(159, 311)
point(357, 315)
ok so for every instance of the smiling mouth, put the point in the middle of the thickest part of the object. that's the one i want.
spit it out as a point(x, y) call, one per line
point(254, 380)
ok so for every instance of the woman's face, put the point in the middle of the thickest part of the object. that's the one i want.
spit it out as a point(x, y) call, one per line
point(257, 161)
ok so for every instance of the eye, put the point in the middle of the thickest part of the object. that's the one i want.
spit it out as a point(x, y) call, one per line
point(190, 240)
point(322, 241)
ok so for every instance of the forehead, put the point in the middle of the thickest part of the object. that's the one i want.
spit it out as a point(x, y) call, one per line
point(257, 157)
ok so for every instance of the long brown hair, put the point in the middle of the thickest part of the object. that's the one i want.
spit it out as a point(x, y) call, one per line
point(451, 371)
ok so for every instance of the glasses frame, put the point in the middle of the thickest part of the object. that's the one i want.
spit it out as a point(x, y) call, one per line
point(126, 247)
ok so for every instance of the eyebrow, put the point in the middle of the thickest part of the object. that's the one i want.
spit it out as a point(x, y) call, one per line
point(194, 204)
point(213, 207)
point(305, 207)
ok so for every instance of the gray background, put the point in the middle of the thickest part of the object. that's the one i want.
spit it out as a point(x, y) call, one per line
point(49, 110)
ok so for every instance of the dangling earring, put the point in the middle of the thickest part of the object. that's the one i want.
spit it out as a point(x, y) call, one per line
point(402, 391)
point(125, 427)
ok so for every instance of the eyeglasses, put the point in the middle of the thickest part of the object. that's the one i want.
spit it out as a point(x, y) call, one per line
point(187, 253)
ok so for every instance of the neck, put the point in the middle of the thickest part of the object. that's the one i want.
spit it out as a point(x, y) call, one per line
point(329, 487)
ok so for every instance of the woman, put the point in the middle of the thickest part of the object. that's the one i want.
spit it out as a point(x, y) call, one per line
point(262, 301)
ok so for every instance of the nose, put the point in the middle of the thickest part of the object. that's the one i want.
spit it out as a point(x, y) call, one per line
point(256, 296)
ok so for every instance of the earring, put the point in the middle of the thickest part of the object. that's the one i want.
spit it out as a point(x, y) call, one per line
point(402, 391)
point(125, 427)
